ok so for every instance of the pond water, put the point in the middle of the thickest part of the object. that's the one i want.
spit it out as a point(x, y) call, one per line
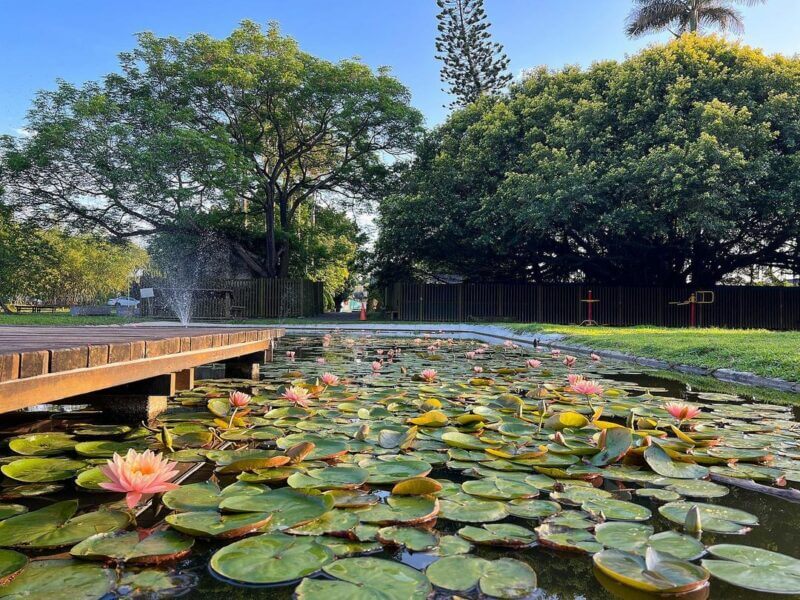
point(478, 423)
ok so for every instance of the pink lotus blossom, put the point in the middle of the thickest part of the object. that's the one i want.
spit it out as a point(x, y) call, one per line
point(682, 411)
point(477, 369)
point(574, 378)
point(290, 354)
point(300, 396)
point(376, 366)
point(533, 363)
point(321, 360)
point(239, 399)
point(330, 379)
point(555, 352)
point(509, 344)
point(570, 361)
point(429, 375)
point(379, 351)
point(594, 357)
point(433, 348)
point(417, 340)
point(470, 355)
point(139, 474)
point(587, 387)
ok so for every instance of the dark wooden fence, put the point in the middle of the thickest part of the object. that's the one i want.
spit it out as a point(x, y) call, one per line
point(238, 298)
point(744, 307)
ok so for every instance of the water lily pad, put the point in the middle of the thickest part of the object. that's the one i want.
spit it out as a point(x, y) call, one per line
point(499, 534)
point(366, 578)
point(463, 440)
point(11, 510)
point(716, 518)
point(29, 490)
point(270, 559)
point(79, 528)
point(106, 449)
point(205, 495)
point(654, 572)
point(24, 528)
point(211, 524)
point(677, 544)
point(384, 472)
point(343, 477)
point(416, 486)
point(36, 470)
point(470, 509)
point(630, 537)
point(333, 522)
point(567, 539)
point(658, 494)
point(754, 568)
point(416, 540)
point(698, 488)
point(499, 489)
point(42, 444)
point(617, 510)
point(11, 563)
point(401, 510)
point(658, 460)
point(503, 578)
point(618, 441)
point(131, 547)
point(288, 507)
point(60, 580)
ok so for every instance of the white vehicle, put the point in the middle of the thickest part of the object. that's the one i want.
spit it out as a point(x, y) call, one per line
point(123, 301)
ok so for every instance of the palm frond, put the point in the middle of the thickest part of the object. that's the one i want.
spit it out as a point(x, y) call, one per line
point(723, 17)
point(654, 15)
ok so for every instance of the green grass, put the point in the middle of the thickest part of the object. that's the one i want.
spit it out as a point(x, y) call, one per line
point(61, 318)
point(765, 353)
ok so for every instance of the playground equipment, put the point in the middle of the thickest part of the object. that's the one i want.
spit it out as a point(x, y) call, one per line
point(695, 298)
point(363, 315)
point(590, 302)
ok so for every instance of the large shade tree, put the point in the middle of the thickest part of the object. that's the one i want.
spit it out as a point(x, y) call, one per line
point(233, 135)
point(680, 164)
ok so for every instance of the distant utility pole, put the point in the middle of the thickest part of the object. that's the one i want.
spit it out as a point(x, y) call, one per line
point(472, 64)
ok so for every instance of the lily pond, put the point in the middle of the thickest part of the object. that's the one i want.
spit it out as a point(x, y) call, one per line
point(371, 468)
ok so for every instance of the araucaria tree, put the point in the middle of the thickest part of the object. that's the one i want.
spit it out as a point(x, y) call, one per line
point(472, 64)
point(680, 164)
point(233, 134)
point(682, 16)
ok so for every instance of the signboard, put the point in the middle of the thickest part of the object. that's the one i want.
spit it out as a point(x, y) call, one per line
point(146, 293)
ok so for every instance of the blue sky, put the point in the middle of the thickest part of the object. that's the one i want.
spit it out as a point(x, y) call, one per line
point(78, 40)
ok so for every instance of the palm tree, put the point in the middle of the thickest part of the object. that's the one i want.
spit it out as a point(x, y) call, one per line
point(680, 16)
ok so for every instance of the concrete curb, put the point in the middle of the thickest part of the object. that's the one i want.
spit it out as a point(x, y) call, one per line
point(494, 333)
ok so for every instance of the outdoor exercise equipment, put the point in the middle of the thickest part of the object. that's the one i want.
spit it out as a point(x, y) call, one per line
point(590, 302)
point(695, 298)
point(363, 315)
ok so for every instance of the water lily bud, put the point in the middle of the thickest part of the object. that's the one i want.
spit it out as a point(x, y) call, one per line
point(166, 438)
point(693, 523)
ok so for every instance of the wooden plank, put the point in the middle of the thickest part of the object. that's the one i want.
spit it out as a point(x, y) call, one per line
point(9, 366)
point(33, 363)
point(98, 355)
point(68, 359)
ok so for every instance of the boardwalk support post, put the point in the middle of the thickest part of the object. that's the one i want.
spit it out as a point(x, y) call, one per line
point(247, 366)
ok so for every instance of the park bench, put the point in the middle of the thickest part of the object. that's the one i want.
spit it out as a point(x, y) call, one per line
point(36, 308)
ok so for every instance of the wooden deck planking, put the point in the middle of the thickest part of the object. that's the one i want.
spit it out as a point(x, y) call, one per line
point(45, 364)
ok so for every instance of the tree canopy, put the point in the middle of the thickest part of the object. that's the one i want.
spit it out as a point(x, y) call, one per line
point(680, 164)
point(233, 134)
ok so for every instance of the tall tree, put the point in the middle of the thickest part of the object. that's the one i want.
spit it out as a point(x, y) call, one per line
point(662, 169)
point(681, 16)
point(237, 132)
point(472, 63)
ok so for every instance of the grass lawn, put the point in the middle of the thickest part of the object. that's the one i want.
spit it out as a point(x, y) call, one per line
point(766, 353)
point(61, 318)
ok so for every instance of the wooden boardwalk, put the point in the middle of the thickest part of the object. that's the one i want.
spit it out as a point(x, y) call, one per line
point(45, 364)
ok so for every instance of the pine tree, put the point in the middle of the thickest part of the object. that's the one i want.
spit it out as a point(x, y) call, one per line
point(473, 64)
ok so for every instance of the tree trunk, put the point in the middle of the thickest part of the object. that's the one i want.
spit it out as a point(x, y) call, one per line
point(270, 252)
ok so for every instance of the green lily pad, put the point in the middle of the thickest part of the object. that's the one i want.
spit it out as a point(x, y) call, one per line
point(11, 510)
point(11, 563)
point(131, 547)
point(713, 517)
point(499, 534)
point(366, 578)
point(754, 568)
point(29, 490)
point(106, 449)
point(658, 460)
point(659, 494)
point(344, 477)
point(24, 528)
point(503, 578)
point(469, 509)
point(698, 488)
point(60, 580)
point(499, 489)
point(677, 544)
point(42, 444)
point(211, 524)
point(90, 479)
point(567, 539)
point(532, 509)
point(618, 442)
point(79, 528)
point(416, 540)
point(617, 510)
point(401, 510)
point(288, 507)
point(630, 537)
point(270, 559)
point(333, 522)
point(103, 431)
point(384, 472)
point(653, 572)
point(205, 495)
point(37, 470)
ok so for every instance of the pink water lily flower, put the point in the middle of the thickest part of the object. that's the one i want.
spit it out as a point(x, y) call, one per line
point(595, 357)
point(533, 363)
point(298, 395)
point(574, 378)
point(555, 352)
point(376, 366)
point(681, 410)
point(469, 355)
point(138, 474)
point(239, 399)
point(477, 369)
point(570, 361)
point(429, 375)
point(587, 387)
point(290, 354)
point(321, 360)
point(330, 379)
